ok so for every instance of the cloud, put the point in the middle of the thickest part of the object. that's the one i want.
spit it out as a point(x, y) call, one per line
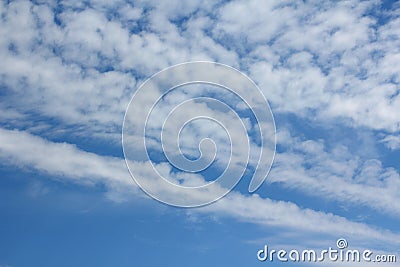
point(78, 65)
point(332, 60)
point(70, 68)
point(65, 161)
point(392, 142)
point(336, 174)
point(288, 216)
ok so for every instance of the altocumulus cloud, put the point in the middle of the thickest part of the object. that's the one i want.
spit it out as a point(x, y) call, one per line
point(69, 68)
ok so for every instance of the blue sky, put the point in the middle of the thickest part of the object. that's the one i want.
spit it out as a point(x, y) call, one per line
point(329, 69)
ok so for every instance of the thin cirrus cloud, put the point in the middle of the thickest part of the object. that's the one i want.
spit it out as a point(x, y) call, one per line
point(66, 161)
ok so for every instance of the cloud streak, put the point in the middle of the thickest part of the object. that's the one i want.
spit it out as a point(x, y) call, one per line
point(66, 161)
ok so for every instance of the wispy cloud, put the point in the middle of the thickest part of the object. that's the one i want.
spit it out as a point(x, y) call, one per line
point(336, 174)
point(68, 162)
point(392, 141)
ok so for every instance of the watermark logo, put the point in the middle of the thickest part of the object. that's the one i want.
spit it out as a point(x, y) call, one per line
point(338, 254)
point(193, 130)
point(341, 243)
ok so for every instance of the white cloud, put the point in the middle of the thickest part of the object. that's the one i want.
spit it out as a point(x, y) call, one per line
point(331, 60)
point(336, 174)
point(392, 142)
point(61, 160)
point(57, 70)
point(280, 213)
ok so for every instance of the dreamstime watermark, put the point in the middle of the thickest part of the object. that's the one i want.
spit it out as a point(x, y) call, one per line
point(340, 253)
point(214, 98)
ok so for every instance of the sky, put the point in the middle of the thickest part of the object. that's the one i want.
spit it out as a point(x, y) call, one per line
point(330, 71)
